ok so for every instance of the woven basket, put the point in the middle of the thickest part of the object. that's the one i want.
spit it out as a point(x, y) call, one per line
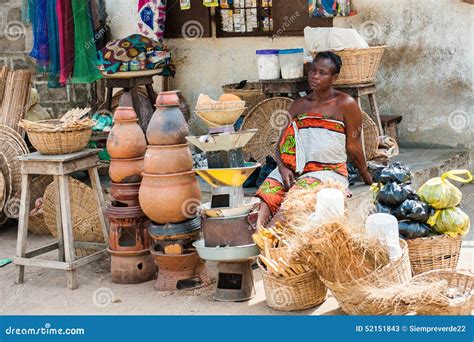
point(371, 136)
point(10, 150)
point(6, 172)
point(293, 293)
point(252, 94)
point(65, 141)
point(3, 190)
point(84, 211)
point(435, 252)
point(15, 136)
point(458, 279)
point(396, 272)
point(36, 223)
point(269, 117)
point(359, 65)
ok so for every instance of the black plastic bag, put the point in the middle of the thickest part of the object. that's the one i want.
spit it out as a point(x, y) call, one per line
point(375, 171)
point(414, 210)
point(395, 172)
point(384, 209)
point(353, 174)
point(393, 194)
point(412, 230)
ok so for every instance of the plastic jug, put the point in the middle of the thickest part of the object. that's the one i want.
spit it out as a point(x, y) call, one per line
point(385, 228)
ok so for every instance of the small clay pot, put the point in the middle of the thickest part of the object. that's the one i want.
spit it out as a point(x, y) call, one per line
point(126, 140)
point(168, 98)
point(126, 170)
point(167, 125)
point(168, 159)
point(125, 113)
point(171, 198)
point(126, 193)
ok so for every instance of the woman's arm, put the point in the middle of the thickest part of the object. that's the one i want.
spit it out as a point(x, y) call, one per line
point(353, 121)
point(286, 174)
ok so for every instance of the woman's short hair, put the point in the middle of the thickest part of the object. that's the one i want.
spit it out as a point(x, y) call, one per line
point(335, 59)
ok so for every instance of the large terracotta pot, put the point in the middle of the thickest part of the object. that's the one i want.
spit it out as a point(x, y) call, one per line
point(167, 126)
point(126, 140)
point(168, 159)
point(170, 198)
point(125, 113)
point(126, 170)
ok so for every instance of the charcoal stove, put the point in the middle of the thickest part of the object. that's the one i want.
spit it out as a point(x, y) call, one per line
point(228, 219)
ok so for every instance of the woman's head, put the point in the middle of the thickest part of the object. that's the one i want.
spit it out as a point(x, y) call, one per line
point(324, 70)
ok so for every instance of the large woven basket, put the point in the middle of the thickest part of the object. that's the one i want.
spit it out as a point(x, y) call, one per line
point(252, 94)
point(299, 292)
point(435, 252)
point(350, 295)
point(84, 211)
point(359, 65)
point(36, 223)
point(371, 136)
point(70, 140)
point(456, 279)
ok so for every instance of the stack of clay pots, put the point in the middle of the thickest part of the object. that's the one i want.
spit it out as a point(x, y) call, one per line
point(170, 194)
point(129, 242)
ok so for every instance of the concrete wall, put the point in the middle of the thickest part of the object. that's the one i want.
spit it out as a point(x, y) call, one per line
point(426, 74)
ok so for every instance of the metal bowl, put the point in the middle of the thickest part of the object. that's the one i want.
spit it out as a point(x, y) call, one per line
point(250, 203)
point(226, 253)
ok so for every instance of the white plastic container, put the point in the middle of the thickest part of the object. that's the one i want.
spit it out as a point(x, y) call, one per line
point(329, 206)
point(292, 63)
point(268, 64)
point(385, 228)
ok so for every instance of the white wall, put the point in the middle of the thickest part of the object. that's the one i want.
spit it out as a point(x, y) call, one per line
point(426, 74)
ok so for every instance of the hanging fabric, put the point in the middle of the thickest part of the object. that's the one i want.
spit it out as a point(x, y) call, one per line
point(330, 8)
point(40, 50)
point(53, 40)
point(152, 16)
point(85, 53)
point(66, 39)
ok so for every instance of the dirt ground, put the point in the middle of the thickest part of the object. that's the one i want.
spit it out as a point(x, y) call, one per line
point(44, 291)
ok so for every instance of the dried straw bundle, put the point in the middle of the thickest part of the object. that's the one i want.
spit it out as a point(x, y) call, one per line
point(337, 255)
point(299, 203)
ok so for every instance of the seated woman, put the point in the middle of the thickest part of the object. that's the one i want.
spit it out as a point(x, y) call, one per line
point(325, 127)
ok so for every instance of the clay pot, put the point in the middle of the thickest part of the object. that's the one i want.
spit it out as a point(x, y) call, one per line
point(167, 126)
point(125, 113)
point(132, 267)
point(126, 193)
point(126, 140)
point(171, 198)
point(168, 159)
point(126, 170)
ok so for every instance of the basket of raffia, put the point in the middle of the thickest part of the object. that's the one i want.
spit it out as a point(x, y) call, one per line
point(359, 65)
point(68, 134)
point(438, 292)
point(289, 285)
point(434, 252)
point(347, 263)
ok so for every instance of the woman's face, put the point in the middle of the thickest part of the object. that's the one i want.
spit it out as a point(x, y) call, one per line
point(321, 75)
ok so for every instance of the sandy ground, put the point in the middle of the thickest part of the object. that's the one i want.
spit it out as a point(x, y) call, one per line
point(44, 291)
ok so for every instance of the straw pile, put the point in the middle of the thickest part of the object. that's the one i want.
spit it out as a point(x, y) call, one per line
point(299, 203)
point(337, 255)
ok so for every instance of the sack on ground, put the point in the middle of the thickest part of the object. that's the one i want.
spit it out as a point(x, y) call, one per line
point(440, 193)
point(451, 221)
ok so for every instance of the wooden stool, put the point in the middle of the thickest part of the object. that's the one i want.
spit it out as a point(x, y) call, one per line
point(358, 90)
point(60, 166)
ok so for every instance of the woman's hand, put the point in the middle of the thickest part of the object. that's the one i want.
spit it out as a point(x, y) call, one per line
point(287, 176)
